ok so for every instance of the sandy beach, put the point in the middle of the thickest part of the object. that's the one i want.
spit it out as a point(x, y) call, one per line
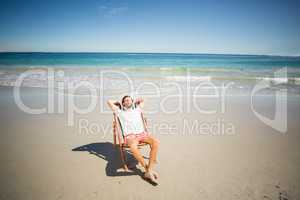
point(44, 158)
point(217, 81)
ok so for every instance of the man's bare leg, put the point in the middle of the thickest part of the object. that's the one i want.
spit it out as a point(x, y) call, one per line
point(133, 144)
point(153, 152)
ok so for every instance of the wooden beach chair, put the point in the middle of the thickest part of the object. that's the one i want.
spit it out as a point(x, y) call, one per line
point(118, 137)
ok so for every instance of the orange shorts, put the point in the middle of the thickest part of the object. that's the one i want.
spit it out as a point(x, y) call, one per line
point(139, 137)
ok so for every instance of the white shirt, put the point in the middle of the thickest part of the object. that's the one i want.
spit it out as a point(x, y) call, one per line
point(131, 120)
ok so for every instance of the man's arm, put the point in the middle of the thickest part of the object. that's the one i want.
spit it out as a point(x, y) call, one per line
point(140, 102)
point(112, 105)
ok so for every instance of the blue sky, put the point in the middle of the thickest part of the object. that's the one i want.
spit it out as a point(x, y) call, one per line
point(245, 27)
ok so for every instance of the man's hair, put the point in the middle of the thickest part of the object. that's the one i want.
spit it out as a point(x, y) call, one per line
point(123, 99)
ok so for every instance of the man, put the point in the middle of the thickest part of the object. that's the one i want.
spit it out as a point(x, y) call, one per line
point(129, 114)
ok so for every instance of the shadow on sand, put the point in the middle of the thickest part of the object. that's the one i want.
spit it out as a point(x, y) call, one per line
point(109, 153)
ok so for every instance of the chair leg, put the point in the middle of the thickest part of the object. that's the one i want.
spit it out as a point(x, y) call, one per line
point(121, 149)
point(115, 139)
point(122, 154)
point(114, 134)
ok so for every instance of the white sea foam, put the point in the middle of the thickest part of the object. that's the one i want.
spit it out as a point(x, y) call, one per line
point(114, 82)
point(283, 80)
point(165, 69)
point(276, 80)
point(297, 81)
point(185, 78)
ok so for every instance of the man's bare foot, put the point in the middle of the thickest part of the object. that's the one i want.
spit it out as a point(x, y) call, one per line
point(150, 176)
point(155, 174)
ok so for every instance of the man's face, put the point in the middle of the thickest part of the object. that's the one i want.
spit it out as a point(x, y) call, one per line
point(127, 102)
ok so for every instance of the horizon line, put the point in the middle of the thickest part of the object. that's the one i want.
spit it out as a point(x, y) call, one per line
point(132, 52)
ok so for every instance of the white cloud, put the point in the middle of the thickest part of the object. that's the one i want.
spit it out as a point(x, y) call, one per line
point(117, 10)
point(109, 11)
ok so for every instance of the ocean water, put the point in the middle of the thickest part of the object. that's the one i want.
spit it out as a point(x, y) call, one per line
point(245, 70)
point(140, 60)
